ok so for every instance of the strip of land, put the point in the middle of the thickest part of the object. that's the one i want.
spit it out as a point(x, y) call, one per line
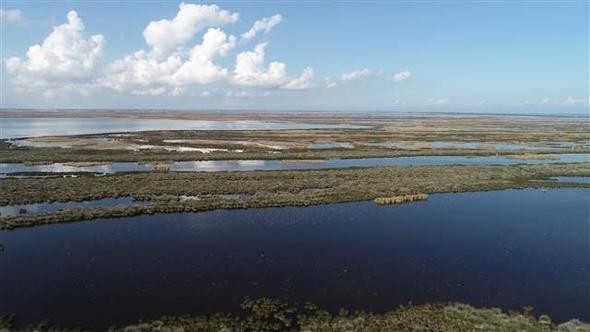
point(208, 191)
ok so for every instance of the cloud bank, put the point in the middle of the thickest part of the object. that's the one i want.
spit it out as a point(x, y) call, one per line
point(68, 60)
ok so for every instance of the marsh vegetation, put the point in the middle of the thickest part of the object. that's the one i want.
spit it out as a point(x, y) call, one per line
point(264, 188)
point(379, 136)
point(401, 199)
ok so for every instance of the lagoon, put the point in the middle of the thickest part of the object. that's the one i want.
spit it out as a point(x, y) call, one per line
point(505, 249)
point(31, 127)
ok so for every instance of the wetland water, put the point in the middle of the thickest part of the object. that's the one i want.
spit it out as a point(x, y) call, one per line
point(36, 208)
point(28, 127)
point(574, 179)
point(504, 249)
point(252, 165)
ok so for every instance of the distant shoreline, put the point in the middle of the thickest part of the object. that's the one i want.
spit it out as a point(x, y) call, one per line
point(279, 115)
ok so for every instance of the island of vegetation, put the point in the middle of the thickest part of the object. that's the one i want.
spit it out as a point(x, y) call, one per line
point(164, 191)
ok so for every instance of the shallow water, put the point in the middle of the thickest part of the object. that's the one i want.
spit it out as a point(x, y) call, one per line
point(252, 165)
point(333, 145)
point(574, 179)
point(36, 208)
point(28, 127)
point(503, 249)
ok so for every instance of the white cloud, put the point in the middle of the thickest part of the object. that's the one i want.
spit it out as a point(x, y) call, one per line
point(66, 60)
point(329, 83)
point(65, 57)
point(139, 71)
point(164, 35)
point(200, 67)
point(574, 101)
point(402, 76)
point(482, 102)
point(356, 75)
point(144, 71)
point(265, 25)
point(246, 94)
point(438, 101)
point(541, 102)
point(304, 81)
point(250, 69)
point(12, 16)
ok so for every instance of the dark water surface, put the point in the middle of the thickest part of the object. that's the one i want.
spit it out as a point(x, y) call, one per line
point(504, 249)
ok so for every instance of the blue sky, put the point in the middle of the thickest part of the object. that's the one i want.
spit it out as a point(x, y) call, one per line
point(450, 56)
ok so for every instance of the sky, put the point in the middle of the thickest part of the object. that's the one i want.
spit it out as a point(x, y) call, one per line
point(505, 56)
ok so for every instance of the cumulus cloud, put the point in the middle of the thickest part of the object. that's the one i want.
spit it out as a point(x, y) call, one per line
point(574, 101)
point(149, 72)
point(304, 81)
point(66, 60)
point(265, 25)
point(138, 71)
point(12, 16)
point(165, 35)
point(64, 57)
point(329, 83)
point(200, 67)
point(356, 75)
point(402, 76)
point(251, 71)
point(438, 101)
point(246, 94)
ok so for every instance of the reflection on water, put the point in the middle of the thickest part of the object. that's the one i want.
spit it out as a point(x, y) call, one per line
point(474, 145)
point(26, 127)
point(36, 208)
point(64, 168)
point(333, 145)
point(251, 165)
point(477, 248)
point(574, 179)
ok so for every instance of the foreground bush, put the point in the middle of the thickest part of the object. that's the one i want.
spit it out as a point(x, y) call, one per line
point(401, 199)
point(268, 314)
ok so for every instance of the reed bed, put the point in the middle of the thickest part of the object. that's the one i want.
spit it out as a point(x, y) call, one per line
point(400, 199)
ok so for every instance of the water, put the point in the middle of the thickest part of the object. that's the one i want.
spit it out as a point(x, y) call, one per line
point(28, 127)
point(36, 208)
point(252, 165)
point(475, 145)
point(333, 145)
point(574, 179)
point(477, 248)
